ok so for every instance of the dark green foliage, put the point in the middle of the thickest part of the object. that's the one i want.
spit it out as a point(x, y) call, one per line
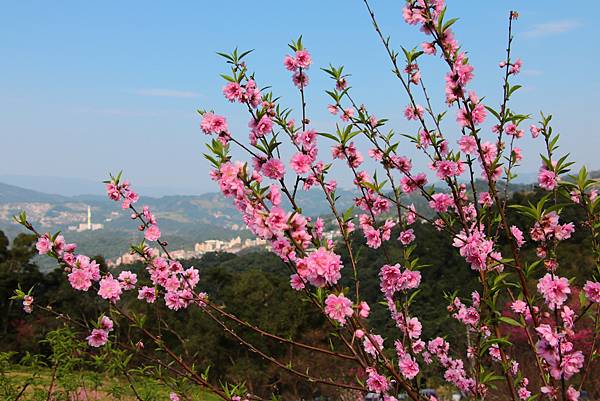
point(255, 287)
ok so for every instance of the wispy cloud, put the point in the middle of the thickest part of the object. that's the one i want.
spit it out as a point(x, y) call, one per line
point(117, 112)
point(165, 93)
point(552, 28)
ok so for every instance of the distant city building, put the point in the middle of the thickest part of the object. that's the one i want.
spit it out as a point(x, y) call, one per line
point(125, 259)
point(234, 245)
point(88, 226)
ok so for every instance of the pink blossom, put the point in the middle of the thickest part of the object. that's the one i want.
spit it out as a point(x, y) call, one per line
point(97, 338)
point(511, 129)
point(489, 152)
point(148, 294)
point(485, 199)
point(341, 84)
point(373, 348)
point(411, 279)
point(212, 123)
point(338, 308)
point(469, 316)
point(303, 59)
point(300, 79)
point(296, 282)
point(364, 310)
point(332, 108)
point(448, 168)
point(413, 113)
point(27, 300)
point(428, 48)
point(110, 288)
point(152, 233)
point(519, 306)
point(301, 163)
point(148, 215)
point(478, 115)
point(320, 267)
point(127, 279)
point(261, 127)
point(468, 144)
point(129, 199)
point(112, 191)
point(376, 382)
point(441, 202)
point(554, 290)
point(233, 91)
point(547, 179)
point(407, 236)
point(290, 63)
point(592, 291)
point(411, 214)
point(517, 154)
point(43, 244)
point(475, 248)
point(563, 232)
point(373, 237)
point(572, 394)
point(274, 195)
point(277, 221)
point(516, 67)
point(550, 392)
point(411, 184)
point(572, 364)
point(518, 235)
point(347, 114)
point(438, 346)
point(27, 304)
point(408, 367)
point(392, 279)
point(523, 393)
point(494, 351)
point(535, 131)
point(251, 94)
point(306, 138)
point(106, 324)
point(418, 346)
point(80, 279)
point(413, 327)
point(412, 15)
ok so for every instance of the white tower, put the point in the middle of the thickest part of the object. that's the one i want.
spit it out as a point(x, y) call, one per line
point(89, 219)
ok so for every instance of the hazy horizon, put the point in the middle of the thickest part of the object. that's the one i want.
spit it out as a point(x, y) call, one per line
point(76, 186)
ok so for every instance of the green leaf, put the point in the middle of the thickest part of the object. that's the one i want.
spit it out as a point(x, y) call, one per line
point(510, 321)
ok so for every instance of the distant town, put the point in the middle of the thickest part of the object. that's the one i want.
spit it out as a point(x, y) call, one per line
point(200, 248)
point(87, 226)
point(213, 245)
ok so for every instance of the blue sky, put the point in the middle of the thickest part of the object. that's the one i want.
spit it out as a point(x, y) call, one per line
point(86, 89)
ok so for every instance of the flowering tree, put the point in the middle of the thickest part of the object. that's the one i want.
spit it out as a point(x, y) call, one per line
point(264, 188)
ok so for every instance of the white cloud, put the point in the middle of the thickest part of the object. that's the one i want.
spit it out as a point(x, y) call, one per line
point(115, 112)
point(552, 28)
point(165, 93)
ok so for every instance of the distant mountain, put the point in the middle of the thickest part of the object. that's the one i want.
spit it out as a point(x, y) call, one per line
point(70, 186)
point(184, 219)
point(14, 194)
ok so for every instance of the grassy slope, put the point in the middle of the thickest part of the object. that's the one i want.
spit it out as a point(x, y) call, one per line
point(90, 387)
